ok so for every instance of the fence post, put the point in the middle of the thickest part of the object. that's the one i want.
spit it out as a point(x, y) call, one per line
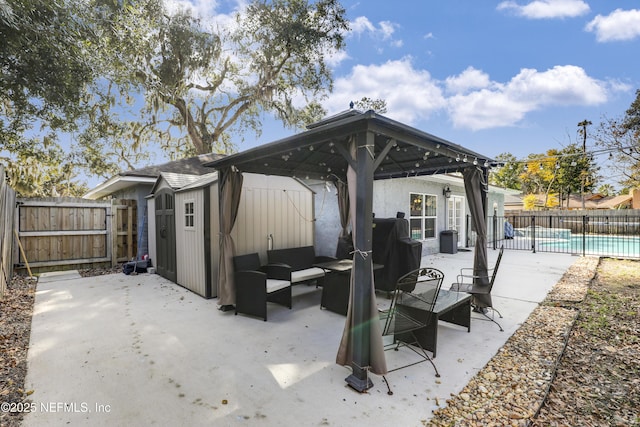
point(533, 233)
point(467, 231)
point(584, 232)
point(112, 234)
point(495, 229)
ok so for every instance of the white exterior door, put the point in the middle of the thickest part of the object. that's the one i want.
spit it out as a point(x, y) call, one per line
point(455, 216)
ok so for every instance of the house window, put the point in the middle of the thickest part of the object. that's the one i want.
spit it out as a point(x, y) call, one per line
point(188, 215)
point(423, 214)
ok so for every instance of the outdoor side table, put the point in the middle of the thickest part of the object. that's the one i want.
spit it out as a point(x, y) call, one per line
point(451, 307)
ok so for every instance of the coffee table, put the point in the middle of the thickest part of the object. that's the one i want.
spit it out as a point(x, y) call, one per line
point(451, 307)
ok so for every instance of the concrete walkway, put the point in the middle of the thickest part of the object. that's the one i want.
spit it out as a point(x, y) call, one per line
point(123, 350)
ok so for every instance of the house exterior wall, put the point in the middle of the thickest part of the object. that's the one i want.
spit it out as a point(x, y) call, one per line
point(391, 196)
point(275, 212)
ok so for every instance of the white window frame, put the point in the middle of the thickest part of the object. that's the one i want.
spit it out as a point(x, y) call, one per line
point(189, 214)
point(423, 217)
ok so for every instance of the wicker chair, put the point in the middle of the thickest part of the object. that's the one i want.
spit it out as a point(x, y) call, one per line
point(256, 285)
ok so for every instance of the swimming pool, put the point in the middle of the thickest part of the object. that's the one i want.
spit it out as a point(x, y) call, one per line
point(618, 246)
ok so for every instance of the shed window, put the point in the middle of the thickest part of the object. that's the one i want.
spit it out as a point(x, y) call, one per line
point(423, 214)
point(189, 215)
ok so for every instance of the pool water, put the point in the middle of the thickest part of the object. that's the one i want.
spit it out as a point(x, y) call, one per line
point(623, 246)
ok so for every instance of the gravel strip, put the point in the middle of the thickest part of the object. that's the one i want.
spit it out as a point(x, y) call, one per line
point(573, 285)
point(512, 387)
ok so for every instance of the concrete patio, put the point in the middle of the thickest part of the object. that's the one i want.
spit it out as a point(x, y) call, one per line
point(140, 350)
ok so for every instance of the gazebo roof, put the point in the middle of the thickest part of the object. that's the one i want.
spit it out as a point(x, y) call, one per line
point(319, 152)
point(375, 147)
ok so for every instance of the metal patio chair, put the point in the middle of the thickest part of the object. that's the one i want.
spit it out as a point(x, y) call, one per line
point(469, 282)
point(401, 323)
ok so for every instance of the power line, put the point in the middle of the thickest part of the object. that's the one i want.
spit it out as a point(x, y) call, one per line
point(591, 153)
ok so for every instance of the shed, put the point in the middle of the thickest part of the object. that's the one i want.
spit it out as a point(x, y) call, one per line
point(136, 185)
point(274, 212)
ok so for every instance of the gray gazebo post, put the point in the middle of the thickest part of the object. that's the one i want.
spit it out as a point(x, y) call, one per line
point(362, 264)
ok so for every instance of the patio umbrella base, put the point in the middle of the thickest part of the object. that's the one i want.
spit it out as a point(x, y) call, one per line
point(227, 307)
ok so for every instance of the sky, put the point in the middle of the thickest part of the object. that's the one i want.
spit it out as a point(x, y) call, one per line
point(493, 76)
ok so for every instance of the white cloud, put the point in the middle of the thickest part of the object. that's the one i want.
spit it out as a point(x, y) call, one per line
point(505, 104)
point(618, 25)
point(362, 25)
point(469, 79)
point(410, 94)
point(547, 9)
point(384, 31)
point(387, 29)
point(471, 99)
point(201, 8)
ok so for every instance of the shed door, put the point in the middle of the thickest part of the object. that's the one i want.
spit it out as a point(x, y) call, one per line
point(165, 235)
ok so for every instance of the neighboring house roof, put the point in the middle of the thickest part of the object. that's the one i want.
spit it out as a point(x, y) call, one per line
point(591, 201)
point(149, 175)
point(598, 201)
point(190, 166)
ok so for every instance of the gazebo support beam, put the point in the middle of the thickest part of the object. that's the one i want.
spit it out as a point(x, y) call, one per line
point(363, 264)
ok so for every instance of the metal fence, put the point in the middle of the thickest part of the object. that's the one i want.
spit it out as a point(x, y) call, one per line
point(610, 233)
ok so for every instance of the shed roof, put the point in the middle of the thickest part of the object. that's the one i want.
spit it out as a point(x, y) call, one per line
point(202, 181)
point(176, 180)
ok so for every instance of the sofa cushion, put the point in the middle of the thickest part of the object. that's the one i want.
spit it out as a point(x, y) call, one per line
point(276, 284)
point(306, 274)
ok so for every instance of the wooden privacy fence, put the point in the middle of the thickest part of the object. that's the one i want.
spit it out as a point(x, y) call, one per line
point(68, 232)
point(7, 209)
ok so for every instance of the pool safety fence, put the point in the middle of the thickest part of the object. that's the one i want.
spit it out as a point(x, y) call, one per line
point(608, 234)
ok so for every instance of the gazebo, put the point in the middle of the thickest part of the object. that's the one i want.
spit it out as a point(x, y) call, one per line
point(354, 148)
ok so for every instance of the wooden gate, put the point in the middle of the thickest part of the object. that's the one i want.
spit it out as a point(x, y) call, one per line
point(65, 233)
point(7, 208)
point(165, 234)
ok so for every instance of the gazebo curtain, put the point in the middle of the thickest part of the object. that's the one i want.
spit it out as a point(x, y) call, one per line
point(345, 357)
point(476, 190)
point(343, 205)
point(230, 186)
